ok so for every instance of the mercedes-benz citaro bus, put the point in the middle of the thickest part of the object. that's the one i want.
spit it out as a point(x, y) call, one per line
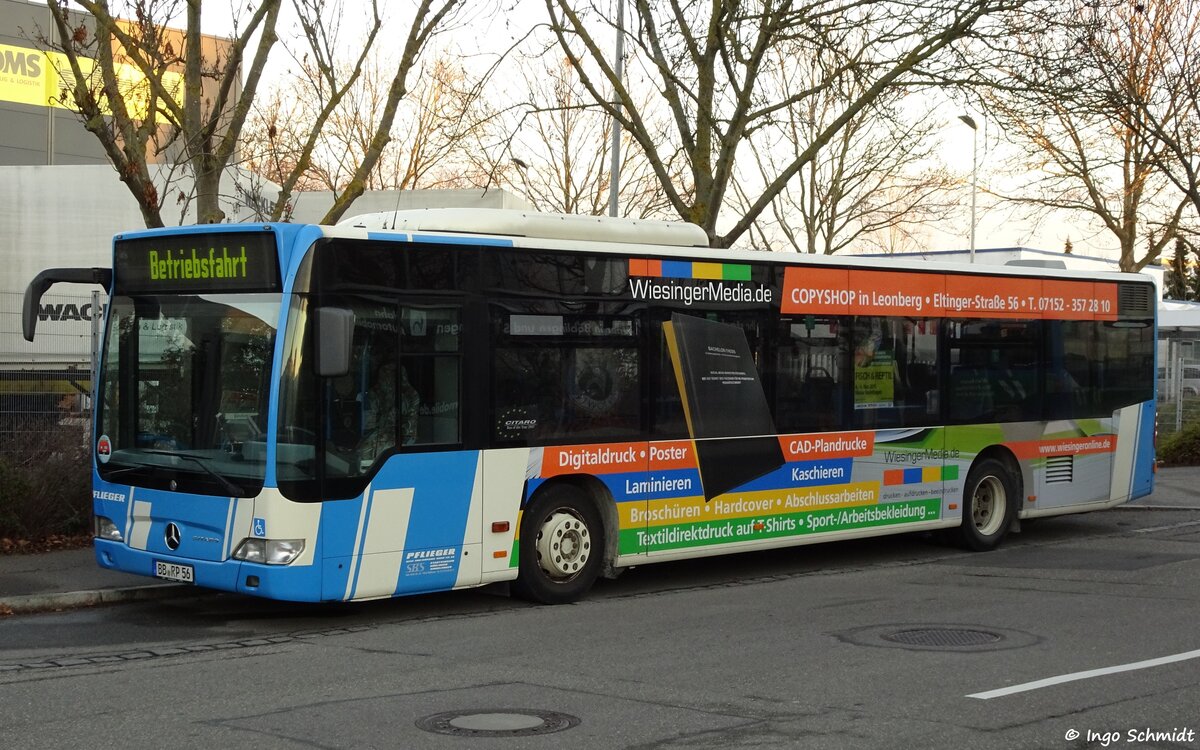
point(429, 400)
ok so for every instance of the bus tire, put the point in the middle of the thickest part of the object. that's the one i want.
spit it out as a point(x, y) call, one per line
point(561, 548)
point(989, 503)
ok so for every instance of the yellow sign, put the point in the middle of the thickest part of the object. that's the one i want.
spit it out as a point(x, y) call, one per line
point(43, 79)
point(23, 75)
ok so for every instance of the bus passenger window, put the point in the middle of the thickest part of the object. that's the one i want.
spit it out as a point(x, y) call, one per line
point(994, 371)
point(428, 385)
point(573, 376)
point(809, 374)
point(895, 372)
point(360, 424)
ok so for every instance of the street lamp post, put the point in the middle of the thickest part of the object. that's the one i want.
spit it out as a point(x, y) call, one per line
point(614, 176)
point(970, 122)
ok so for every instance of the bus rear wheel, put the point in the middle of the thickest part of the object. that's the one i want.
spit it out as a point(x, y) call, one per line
point(561, 547)
point(989, 502)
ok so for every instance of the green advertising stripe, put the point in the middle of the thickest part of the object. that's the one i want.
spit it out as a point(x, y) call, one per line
point(705, 533)
point(735, 272)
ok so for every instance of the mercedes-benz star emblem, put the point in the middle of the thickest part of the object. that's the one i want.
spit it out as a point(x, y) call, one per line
point(172, 536)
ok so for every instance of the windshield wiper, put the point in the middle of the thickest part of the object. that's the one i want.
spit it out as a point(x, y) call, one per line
point(126, 470)
point(227, 485)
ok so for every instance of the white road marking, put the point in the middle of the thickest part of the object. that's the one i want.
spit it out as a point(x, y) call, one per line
point(1038, 684)
point(1169, 527)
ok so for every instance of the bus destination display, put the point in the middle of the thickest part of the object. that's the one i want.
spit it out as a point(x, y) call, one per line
point(223, 262)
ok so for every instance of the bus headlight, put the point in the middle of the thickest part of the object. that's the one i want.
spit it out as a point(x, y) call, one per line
point(269, 551)
point(104, 528)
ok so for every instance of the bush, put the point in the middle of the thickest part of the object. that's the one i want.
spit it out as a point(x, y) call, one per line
point(1182, 448)
point(45, 481)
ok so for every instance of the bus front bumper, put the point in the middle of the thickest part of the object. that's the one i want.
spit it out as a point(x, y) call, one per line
point(297, 583)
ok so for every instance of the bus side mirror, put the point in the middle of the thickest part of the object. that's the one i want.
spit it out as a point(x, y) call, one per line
point(50, 277)
point(335, 336)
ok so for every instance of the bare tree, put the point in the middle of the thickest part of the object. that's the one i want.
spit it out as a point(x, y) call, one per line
point(428, 18)
point(1086, 150)
point(709, 61)
point(193, 88)
point(1165, 108)
point(195, 101)
point(428, 135)
point(877, 180)
point(559, 152)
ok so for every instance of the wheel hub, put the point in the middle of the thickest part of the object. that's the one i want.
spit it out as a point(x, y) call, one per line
point(987, 507)
point(564, 545)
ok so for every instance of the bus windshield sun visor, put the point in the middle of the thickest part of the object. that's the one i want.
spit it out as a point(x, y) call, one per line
point(50, 277)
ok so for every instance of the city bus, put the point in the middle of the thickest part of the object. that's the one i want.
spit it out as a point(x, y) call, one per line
point(420, 401)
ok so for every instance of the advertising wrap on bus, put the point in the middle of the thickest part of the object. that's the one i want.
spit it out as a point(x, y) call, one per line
point(315, 413)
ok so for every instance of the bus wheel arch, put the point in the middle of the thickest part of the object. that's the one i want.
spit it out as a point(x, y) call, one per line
point(567, 539)
point(991, 499)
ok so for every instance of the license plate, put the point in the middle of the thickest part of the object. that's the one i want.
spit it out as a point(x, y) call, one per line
point(174, 572)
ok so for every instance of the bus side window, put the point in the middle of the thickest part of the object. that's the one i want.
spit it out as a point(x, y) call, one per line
point(564, 374)
point(810, 387)
point(361, 405)
point(429, 381)
point(1070, 347)
point(895, 372)
point(995, 374)
point(1126, 356)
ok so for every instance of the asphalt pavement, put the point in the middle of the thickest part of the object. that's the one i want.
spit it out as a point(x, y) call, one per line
point(67, 579)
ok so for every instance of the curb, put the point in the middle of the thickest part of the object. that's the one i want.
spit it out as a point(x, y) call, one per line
point(78, 599)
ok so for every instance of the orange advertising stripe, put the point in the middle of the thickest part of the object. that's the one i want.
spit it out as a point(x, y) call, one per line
point(816, 291)
point(1069, 300)
point(893, 477)
point(674, 454)
point(1083, 300)
point(1064, 446)
point(896, 293)
point(834, 291)
point(991, 297)
point(828, 445)
point(612, 458)
point(1106, 298)
point(637, 267)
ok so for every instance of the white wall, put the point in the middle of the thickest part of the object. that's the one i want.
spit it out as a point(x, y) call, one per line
point(66, 216)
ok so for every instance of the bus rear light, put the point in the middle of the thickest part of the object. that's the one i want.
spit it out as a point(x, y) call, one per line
point(499, 527)
point(104, 528)
point(269, 551)
point(500, 554)
point(953, 506)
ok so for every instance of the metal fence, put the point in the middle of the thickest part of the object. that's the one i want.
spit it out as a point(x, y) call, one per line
point(1178, 385)
point(47, 385)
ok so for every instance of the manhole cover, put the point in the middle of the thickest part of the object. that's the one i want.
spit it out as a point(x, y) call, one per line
point(499, 722)
point(938, 636)
point(944, 637)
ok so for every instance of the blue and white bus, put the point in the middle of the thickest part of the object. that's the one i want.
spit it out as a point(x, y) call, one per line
point(431, 400)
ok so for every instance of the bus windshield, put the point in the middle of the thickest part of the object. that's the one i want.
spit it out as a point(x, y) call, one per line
point(184, 392)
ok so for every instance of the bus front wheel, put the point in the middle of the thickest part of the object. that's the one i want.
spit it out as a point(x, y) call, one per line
point(989, 502)
point(561, 547)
